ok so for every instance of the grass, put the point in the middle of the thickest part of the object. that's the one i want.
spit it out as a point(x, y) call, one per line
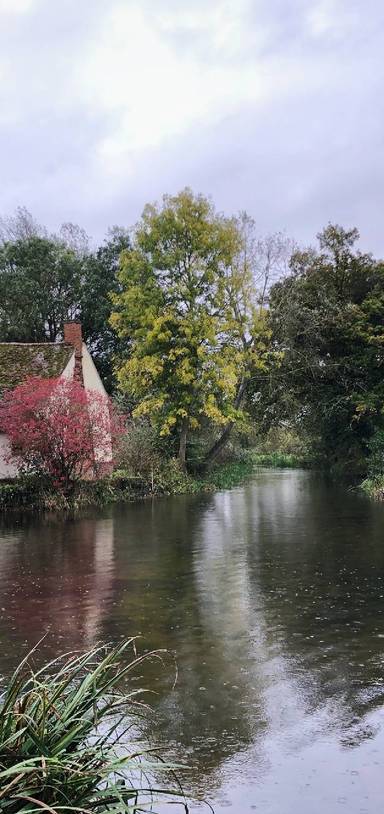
point(63, 740)
point(280, 460)
point(226, 476)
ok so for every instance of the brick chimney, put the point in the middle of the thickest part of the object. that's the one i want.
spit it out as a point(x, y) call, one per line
point(73, 336)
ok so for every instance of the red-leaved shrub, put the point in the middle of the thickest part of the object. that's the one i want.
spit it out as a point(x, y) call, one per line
point(58, 429)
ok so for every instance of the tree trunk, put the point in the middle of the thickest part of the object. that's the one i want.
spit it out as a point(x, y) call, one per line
point(183, 444)
point(222, 440)
point(218, 445)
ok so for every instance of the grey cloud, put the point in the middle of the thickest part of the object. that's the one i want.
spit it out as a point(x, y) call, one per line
point(312, 151)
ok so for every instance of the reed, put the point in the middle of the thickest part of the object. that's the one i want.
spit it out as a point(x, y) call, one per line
point(63, 738)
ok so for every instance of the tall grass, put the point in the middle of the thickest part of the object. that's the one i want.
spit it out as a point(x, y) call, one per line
point(281, 460)
point(63, 738)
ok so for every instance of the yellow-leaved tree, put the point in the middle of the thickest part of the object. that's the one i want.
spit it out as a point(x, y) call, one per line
point(189, 309)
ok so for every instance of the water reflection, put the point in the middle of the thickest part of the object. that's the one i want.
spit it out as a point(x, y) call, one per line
point(55, 580)
point(271, 597)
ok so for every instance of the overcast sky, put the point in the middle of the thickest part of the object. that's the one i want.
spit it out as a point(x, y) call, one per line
point(273, 106)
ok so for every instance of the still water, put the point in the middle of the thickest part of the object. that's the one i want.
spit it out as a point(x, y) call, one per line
point(270, 595)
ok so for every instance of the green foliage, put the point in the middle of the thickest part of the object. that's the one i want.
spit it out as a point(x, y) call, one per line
point(34, 493)
point(280, 460)
point(62, 736)
point(122, 486)
point(228, 475)
point(172, 480)
point(100, 280)
point(374, 487)
point(376, 453)
point(282, 447)
point(40, 282)
point(327, 319)
point(21, 493)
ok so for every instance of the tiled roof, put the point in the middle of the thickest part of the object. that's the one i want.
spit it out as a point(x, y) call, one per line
point(20, 361)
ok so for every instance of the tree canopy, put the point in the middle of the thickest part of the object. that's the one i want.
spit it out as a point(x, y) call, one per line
point(40, 283)
point(327, 319)
point(186, 307)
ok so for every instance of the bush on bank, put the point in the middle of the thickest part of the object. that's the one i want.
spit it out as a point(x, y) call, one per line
point(374, 487)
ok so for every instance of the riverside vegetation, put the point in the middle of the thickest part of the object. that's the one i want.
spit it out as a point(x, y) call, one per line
point(63, 737)
point(144, 469)
point(212, 340)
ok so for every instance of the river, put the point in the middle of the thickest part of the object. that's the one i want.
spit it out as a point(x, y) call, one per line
point(270, 595)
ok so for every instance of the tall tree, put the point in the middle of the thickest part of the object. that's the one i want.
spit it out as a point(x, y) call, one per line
point(40, 283)
point(99, 281)
point(181, 309)
point(169, 309)
point(327, 319)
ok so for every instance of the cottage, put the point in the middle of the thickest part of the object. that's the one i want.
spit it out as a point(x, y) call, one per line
point(20, 361)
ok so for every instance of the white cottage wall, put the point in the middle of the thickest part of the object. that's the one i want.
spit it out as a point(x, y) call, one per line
point(7, 469)
point(93, 382)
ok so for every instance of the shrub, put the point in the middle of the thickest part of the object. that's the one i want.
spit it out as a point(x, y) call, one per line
point(25, 492)
point(139, 451)
point(172, 480)
point(57, 429)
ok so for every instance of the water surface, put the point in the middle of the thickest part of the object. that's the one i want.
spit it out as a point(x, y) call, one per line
point(270, 595)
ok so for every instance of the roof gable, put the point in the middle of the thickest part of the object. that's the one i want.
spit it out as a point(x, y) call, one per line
point(20, 361)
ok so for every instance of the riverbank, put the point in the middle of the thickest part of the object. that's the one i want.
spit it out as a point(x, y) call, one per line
point(33, 494)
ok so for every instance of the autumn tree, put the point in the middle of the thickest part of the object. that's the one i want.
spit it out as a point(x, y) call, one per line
point(58, 429)
point(185, 309)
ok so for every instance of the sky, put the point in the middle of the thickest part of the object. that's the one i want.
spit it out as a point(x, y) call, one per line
point(272, 106)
